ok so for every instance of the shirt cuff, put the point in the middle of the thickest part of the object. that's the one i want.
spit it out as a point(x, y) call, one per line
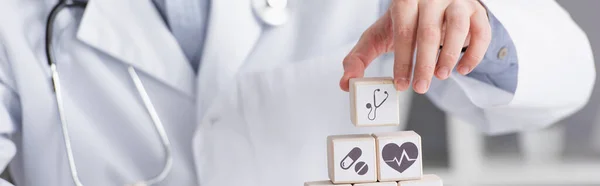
point(499, 66)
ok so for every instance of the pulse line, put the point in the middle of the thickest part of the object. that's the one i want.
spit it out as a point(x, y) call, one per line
point(402, 157)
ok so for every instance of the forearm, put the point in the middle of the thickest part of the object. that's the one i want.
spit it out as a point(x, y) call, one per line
point(554, 77)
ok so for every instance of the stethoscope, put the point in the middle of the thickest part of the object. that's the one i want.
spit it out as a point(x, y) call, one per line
point(138, 85)
point(373, 107)
point(272, 12)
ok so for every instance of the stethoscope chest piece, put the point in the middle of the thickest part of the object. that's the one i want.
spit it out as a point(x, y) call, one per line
point(272, 12)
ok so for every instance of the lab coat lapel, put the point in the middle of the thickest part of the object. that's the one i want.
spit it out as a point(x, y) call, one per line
point(133, 32)
point(232, 32)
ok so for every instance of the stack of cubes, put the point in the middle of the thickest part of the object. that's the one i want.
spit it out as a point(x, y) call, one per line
point(381, 159)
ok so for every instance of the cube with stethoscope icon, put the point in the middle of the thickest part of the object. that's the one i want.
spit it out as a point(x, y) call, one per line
point(374, 102)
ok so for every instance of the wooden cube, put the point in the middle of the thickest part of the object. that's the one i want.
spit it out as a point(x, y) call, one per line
point(426, 180)
point(351, 158)
point(377, 184)
point(374, 102)
point(324, 183)
point(398, 156)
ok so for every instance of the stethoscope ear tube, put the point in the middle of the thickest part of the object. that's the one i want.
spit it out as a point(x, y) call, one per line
point(50, 23)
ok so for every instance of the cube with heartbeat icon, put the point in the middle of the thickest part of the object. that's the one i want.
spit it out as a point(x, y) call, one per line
point(374, 101)
point(398, 156)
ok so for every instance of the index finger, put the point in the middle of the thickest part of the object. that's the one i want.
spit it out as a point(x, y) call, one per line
point(428, 43)
point(404, 18)
point(373, 42)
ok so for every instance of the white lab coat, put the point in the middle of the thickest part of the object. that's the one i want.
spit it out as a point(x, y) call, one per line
point(263, 102)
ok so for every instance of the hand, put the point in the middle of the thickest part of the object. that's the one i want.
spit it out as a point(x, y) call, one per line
point(423, 25)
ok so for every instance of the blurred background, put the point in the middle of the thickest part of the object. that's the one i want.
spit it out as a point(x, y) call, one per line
point(568, 153)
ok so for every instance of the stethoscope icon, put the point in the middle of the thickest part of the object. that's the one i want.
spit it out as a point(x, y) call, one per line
point(373, 110)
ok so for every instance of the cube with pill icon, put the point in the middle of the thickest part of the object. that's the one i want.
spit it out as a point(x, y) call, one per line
point(398, 156)
point(351, 158)
point(426, 180)
point(377, 184)
point(374, 101)
point(324, 183)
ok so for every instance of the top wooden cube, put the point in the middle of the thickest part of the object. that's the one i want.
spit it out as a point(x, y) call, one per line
point(374, 101)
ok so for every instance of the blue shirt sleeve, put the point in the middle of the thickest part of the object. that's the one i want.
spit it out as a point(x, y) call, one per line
point(499, 66)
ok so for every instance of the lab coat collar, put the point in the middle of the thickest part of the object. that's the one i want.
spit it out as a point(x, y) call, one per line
point(134, 33)
point(231, 35)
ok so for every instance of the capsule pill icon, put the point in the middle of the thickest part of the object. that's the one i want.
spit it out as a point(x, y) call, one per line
point(350, 158)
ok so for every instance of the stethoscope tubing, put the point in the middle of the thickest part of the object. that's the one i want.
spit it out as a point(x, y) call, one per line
point(160, 129)
point(56, 86)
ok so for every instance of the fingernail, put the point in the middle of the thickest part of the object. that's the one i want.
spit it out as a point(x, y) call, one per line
point(464, 70)
point(401, 83)
point(443, 72)
point(421, 86)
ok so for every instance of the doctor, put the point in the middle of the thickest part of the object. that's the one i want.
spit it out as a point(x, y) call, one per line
point(244, 92)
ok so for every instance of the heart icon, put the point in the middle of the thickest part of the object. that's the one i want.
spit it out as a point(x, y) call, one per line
point(400, 157)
